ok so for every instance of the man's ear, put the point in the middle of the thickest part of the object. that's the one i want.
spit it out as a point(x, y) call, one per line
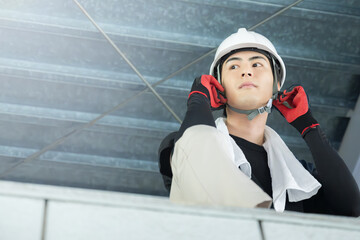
point(278, 86)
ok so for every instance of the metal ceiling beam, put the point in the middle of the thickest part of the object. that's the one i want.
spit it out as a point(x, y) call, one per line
point(40, 116)
point(83, 159)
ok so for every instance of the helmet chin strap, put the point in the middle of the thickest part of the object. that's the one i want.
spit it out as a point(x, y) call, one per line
point(251, 114)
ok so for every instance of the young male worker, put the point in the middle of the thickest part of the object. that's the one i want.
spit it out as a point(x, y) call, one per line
point(238, 160)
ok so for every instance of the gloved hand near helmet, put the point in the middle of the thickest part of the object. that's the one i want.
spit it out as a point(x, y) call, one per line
point(205, 95)
point(208, 86)
point(293, 104)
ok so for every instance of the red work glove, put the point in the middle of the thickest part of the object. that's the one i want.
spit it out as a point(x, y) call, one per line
point(294, 106)
point(208, 86)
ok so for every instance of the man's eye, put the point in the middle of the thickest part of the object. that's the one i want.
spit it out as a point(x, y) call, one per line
point(234, 67)
point(257, 65)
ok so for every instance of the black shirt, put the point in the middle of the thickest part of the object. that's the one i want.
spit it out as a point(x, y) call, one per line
point(257, 157)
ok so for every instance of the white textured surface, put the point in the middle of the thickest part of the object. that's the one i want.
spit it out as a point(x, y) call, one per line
point(82, 221)
point(74, 213)
point(282, 231)
point(20, 218)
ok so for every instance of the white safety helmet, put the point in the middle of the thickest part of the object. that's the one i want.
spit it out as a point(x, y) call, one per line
point(247, 39)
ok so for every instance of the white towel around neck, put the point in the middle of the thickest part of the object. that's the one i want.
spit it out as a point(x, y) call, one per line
point(287, 173)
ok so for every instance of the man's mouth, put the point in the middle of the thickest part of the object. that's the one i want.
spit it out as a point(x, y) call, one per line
point(247, 85)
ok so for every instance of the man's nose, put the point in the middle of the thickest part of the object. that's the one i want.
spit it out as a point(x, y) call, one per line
point(247, 71)
point(247, 74)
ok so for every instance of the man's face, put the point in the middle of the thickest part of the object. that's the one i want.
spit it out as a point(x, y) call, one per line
point(248, 80)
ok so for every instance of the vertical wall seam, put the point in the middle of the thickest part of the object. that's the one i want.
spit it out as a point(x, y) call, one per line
point(43, 232)
point(261, 230)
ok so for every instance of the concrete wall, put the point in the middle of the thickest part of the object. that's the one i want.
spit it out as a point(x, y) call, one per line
point(29, 211)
